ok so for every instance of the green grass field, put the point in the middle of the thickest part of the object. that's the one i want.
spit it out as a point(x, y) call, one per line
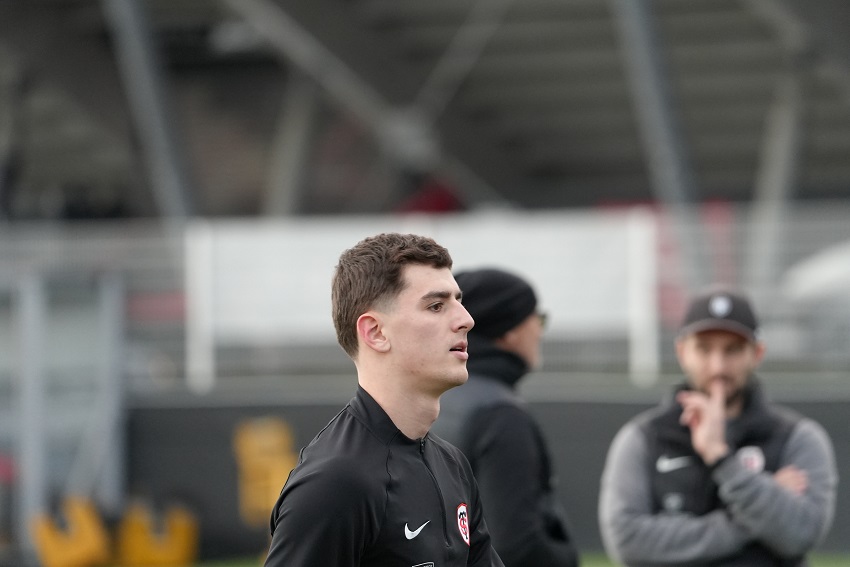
point(587, 560)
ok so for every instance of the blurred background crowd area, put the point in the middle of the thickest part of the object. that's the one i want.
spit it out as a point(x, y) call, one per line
point(177, 178)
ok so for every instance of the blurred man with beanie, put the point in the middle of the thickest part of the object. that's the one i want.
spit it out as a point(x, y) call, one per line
point(489, 422)
point(717, 474)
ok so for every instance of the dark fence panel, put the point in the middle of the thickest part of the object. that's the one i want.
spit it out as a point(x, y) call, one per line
point(186, 455)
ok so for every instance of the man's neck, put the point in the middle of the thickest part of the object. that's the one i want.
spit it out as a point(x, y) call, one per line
point(412, 412)
point(735, 408)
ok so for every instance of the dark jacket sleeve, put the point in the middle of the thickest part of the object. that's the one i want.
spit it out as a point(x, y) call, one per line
point(527, 526)
point(324, 517)
point(481, 550)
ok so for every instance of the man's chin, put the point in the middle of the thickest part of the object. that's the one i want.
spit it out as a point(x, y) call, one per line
point(459, 379)
point(734, 398)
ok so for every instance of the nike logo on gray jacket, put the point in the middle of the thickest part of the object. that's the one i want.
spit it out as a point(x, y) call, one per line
point(666, 464)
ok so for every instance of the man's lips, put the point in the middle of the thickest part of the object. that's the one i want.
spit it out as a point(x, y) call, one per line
point(460, 350)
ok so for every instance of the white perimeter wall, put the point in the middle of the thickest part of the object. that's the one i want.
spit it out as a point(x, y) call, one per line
point(269, 282)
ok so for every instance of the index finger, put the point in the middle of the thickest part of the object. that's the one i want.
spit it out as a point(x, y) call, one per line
point(717, 391)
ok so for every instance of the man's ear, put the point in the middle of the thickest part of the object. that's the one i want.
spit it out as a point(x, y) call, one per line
point(507, 341)
point(680, 350)
point(760, 349)
point(370, 331)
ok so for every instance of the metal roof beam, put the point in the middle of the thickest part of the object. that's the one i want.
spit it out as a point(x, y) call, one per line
point(358, 70)
point(39, 38)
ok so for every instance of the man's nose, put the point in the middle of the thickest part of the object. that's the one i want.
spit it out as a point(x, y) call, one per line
point(717, 362)
point(466, 320)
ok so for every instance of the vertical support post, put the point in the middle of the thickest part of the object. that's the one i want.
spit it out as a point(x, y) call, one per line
point(97, 471)
point(291, 144)
point(30, 314)
point(150, 107)
point(780, 161)
point(642, 289)
point(110, 487)
point(663, 143)
point(199, 288)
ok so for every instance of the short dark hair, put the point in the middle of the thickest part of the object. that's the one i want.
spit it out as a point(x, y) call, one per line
point(370, 273)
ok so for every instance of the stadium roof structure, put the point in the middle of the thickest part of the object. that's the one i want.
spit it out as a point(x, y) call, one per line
point(184, 108)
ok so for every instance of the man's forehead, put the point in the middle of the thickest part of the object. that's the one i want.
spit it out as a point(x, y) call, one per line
point(422, 275)
point(717, 335)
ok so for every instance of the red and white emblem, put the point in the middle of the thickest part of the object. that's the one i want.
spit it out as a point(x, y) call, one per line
point(752, 458)
point(463, 522)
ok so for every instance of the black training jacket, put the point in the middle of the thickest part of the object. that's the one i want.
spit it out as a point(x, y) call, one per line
point(363, 494)
point(487, 420)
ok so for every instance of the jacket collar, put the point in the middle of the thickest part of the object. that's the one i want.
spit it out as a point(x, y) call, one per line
point(489, 361)
point(366, 410)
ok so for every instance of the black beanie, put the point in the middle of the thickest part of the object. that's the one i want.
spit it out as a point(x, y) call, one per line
point(497, 300)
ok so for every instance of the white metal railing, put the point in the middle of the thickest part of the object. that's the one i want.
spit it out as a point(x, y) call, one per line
point(268, 282)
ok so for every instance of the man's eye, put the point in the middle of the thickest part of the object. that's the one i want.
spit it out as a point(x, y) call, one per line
point(436, 307)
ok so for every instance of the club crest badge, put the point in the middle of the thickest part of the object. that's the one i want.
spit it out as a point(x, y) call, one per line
point(463, 522)
point(673, 502)
point(752, 458)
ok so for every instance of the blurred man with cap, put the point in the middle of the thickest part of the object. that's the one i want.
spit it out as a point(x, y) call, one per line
point(489, 422)
point(718, 475)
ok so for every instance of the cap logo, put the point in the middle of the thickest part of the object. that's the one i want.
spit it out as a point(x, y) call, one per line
point(720, 306)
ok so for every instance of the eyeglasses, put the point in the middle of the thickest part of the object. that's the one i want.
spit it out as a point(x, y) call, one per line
point(543, 317)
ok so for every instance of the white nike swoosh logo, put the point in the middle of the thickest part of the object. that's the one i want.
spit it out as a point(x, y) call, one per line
point(412, 534)
point(666, 464)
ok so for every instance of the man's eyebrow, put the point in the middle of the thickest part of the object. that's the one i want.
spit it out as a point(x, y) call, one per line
point(439, 295)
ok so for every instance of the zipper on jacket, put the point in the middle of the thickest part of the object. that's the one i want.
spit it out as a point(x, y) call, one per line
point(437, 487)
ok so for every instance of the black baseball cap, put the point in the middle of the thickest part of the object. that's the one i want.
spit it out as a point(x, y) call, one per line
point(720, 309)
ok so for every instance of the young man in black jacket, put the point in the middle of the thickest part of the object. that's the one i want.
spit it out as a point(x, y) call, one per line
point(489, 422)
point(374, 488)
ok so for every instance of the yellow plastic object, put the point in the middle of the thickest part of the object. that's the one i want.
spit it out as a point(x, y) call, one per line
point(82, 542)
point(141, 544)
point(264, 456)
